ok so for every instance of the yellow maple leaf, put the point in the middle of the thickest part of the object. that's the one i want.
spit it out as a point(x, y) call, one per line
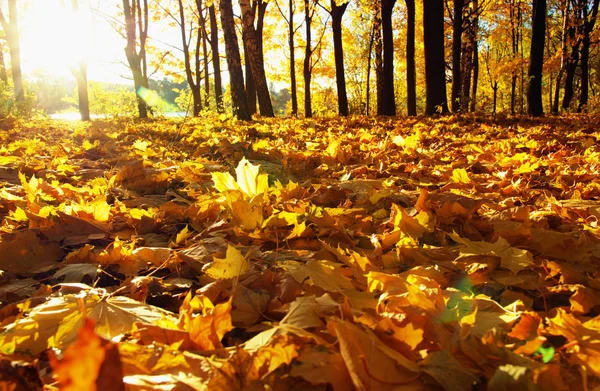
point(233, 265)
point(460, 175)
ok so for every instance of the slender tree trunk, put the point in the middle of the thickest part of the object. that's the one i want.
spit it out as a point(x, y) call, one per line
point(202, 31)
point(136, 28)
point(337, 12)
point(379, 78)
point(435, 78)
point(563, 56)
point(234, 63)
point(466, 69)
point(473, 100)
point(515, 51)
point(457, 30)
point(214, 47)
point(306, 71)
point(368, 81)
point(11, 31)
point(291, 32)
point(389, 104)
point(189, 74)
point(411, 73)
point(588, 27)
point(536, 59)
point(572, 63)
point(257, 65)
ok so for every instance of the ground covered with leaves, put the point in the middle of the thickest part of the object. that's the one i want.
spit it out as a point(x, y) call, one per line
point(370, 254)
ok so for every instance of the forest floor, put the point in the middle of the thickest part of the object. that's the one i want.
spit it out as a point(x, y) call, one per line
point(454, 253)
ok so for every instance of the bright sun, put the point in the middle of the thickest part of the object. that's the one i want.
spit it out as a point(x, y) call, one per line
point(54, 38)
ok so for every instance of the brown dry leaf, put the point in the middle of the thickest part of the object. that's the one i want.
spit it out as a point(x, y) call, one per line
point(23, 253)
point(451, 374)
point(372, 364)
point(319, 365)
point(249, 370)
point(91, 363)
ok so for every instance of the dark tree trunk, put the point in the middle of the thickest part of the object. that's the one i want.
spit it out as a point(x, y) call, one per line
point(536, 59)
point(466, 69)
point(411, 73)
point(337, 12)
point(192, 79)
point(254, 54)
point(136, 28)
point(307, 70)
point(11, 31)
point(457, 30)
point(250, 86)
point(389, 104)
point(515, 32)
point(202, 31)
point(572, 63)
point(563, 56)
point(435, 78)
point(214, 47)
point(588, 27)
point(291, 32)
point(379, 78)
point(475, 27)
point(234, 63)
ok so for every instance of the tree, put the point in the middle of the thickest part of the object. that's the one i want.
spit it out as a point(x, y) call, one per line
point(216, 61)
point(289, 20)
point(379, 78)
point(254, 56)
point(563, 53)
point(11, 31)
point(337, 12)
point(136, 32)
point(80, 74)
point(411, 73)
point(457, 30)
point(234, 63)
point(536, 59)
point(3, 74)
point(192, 75)
point(389, 103)
point(435, 78)
point(589, 20)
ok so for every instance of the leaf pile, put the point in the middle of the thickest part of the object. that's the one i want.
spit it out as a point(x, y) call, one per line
point(360, 253)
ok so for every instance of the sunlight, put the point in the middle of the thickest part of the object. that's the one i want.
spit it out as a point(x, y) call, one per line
point(54, 38)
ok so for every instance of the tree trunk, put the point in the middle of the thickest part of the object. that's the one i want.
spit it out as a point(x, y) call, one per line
point(457, 30)
point(251, 42)
point(389, 104)
point(189, 74)
point(435, 78)
point(234, 63)
point(411, 73)
point(11, 31)
point(80, 75)
point(563, 56)
point(291, 32)
point(536, 59)
point(368, 81)
point(250, 86)
point(136, 28)
point(379, 78)
point(466, 69)
point(306, 71)
point(473, 100)
point(337, 11)
point(515, 52)
point(214, 47)
point(202, 31)
point(588, 27)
